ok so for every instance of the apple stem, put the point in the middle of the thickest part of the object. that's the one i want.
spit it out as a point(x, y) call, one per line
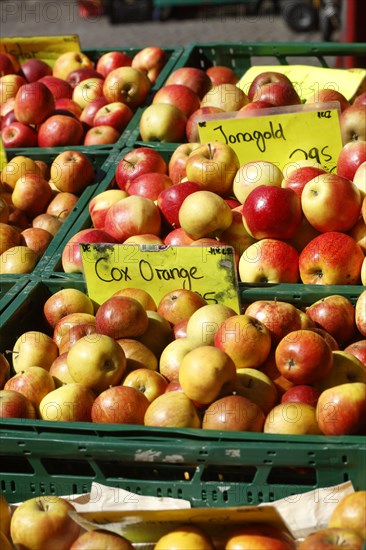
point(11, 352)
point(210, 151)
point(128, 162)
point(60, 213)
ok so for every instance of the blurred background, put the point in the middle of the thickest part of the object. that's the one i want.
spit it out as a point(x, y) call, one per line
point(115, 23)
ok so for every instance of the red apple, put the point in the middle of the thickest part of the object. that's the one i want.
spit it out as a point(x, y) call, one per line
point(172, 409)
point(360, 99)
point(178, 161)
point(34, 103)
point(335, 314)
point(90, 110)
point(298, 177)
point(341, 410)
point(72, 171)
point(332, 538)
point(149, 185)
point(258, 536)
point(278, 94)
point(18, 134)
point(117, 115)
point(170, 200)
point(60, 130)
point(183, 97)
point(101, 135)
point(353, 125)
point(15, 405)
point(325, 95)
point(301, 393)
point(137, 162)
point(36, 239)
point(233, 412)
point(78, 75)
point(6, 65)
point(71, 255)
point(100, 538)
point(127, 85)
point(331, 258)
point(358, 349)
point(34, 69)
point(267, 77)
point(177, 305)
point(352, 155)
point(66, 104)
point(132, 216)
point(100, 203)
point(303, 357)
point(272, 212)
point(58, 87)
point(112, 60)
point(120, 405)
point(222, 74)
point(121, 317)
point(150, 60)
point(193, 77)
point(192, 133)
point(31, 194)
point(178, 237)
point(34, 383)
point(255, 105)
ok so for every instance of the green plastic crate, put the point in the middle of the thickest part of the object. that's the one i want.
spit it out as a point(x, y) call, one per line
point(10, 286)
point(101, 160)
point(243, 55)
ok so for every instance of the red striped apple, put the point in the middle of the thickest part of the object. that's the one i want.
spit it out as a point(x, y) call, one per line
point(132, 216)
point(136, 162)
point(195, 78)
point(341, 410)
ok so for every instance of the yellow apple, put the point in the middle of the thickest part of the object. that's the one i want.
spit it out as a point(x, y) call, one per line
point(205, 322)
point(137, 355)
point(292, 418)
point(172, 356)
point(350, 513)
point(185, 537)
point(172, 409)
point(34, 348)
point(68, 403)
point(258, 387)
point(346, 368)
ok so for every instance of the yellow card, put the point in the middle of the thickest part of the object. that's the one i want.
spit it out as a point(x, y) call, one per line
point(149, 525)
point(159, 269)
point(3, 159)
point(47, 48)
point(307, 79)
point(282, 135)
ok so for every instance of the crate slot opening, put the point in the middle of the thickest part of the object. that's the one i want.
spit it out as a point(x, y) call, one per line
point(153, 472)
point(289, 475)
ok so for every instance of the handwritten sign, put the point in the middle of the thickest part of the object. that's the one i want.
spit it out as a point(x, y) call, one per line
point(3, 159)
point(209, 271)
point(46, 48)
point(307, 79)
point(281, 135)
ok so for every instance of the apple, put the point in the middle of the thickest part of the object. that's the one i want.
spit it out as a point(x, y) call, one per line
point(150, 60)
point(73, 334)
point(33, 348)
point(335, 314)
point(222, 74)
point(6, 65)
point(136, 162)
point(57, 86)
point(292, 418)
point(257, 536)
point(253, 174)
point(178, 237)
point(269, 368)
point(149, 185)
point(203, 213)
point(195, 78)
point(67, 62)
point(158, 334)
point(325, 95)
point(341, 410)
point(33, 103)
point(178, 161)
point(65, 301)
point(68, 321)
point(60, 130)
point(360, 99)
point(278, 316)
point(185, 536)
point(137, 355)
point(358, 233)
point(205, 372)
point(100, 203)
point(171, 198)
point(205, 322)
point(90, 110)
point(132, 216)
point(172, 355)
point(111, 60)
point(245, 339)
point(213, 165)
point(4, 211)
point(15, 168)
point(101, 135)
point(192, 132)
point(331, 258)
point(101, 538)
point(263, 217)
point(162, 122)
point(233, 412)
point(127, 85)
point(9, 237)
point(72, 171)
point(301, 393)
point(9, 86)
point(269, 261)
point(120, 405)
point(18, 260)
point(15, 405)
point(18, 134)
point(346, 368)
point(257, 386)
point(349, 513)
point(116, 114)
point(173, 409)
point(352, 123)
point(267, 77)
point(71, 259)
point(121, 317)
point(34, 383)
point(44, 522)
point(297, 178)
point(359, 178)
point(236, 235)
point(65, 104)
point(331, 203)
point(363, 272)
point(278, 94)
point(179, 304)
point(226, 96)
point(78, 75)
point(47, 222)
point(4, 370)
point(31, 194)
point(61, 205)
point(352, 155)
point(34, 69)
point(255, 105)
point(60, 371)
point(37, 239)
point(179, 95)
point(358, 349)
point(303, 357)
point(7, 114)
point(331, 538)
point(150, 382)
point(86, 90)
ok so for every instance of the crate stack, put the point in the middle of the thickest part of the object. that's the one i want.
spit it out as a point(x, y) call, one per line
point(209, 468)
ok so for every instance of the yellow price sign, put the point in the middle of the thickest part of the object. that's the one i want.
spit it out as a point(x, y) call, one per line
point(208, 270)
point(3, 158)
point(46, 48)
point(307, 79)
point(281, 135)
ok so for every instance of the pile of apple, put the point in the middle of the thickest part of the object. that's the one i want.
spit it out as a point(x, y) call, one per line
point(45, 522)
point(77, 101)
point(190, 92)
point(183, 362)
point(36, 198)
